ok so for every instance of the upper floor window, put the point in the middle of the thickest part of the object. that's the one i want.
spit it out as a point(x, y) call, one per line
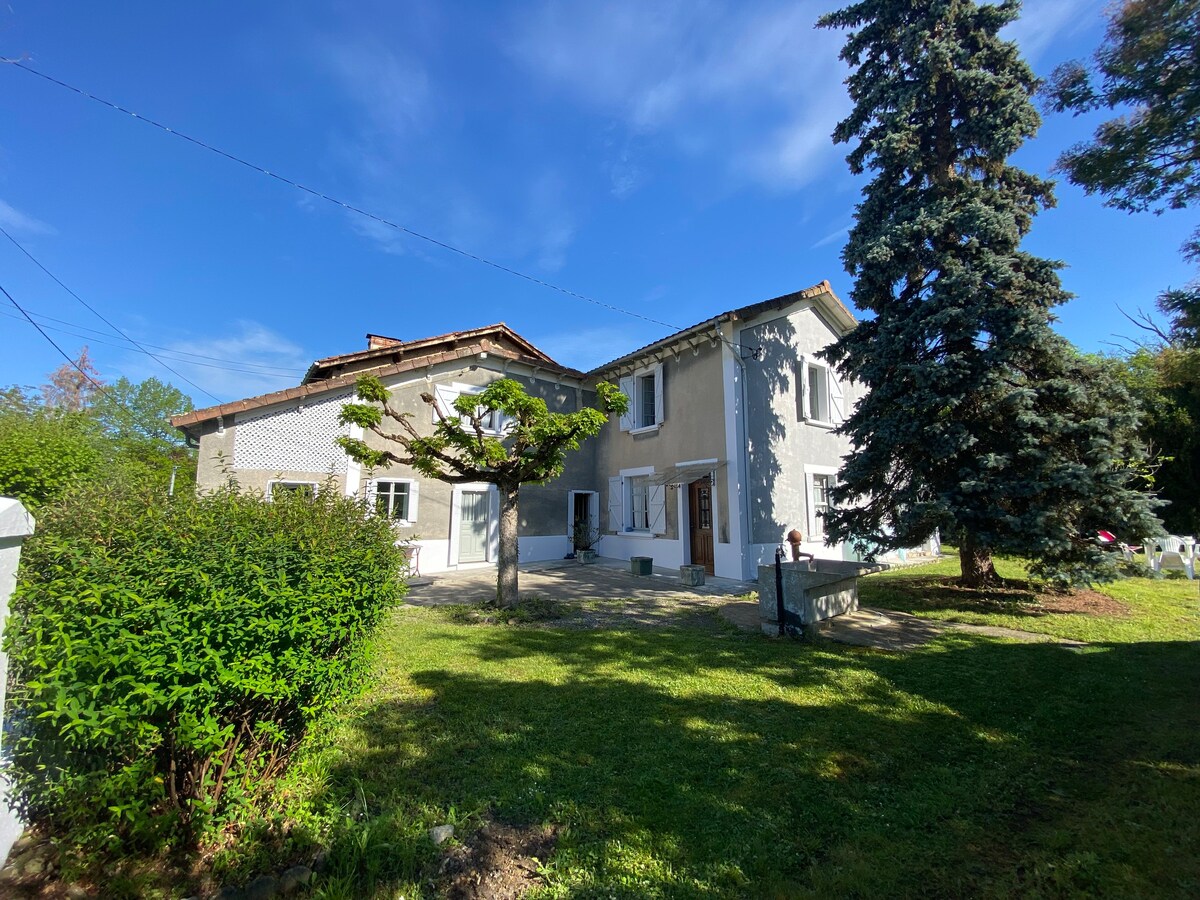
point(644, 388)
point(491, 421)
point(818, 395)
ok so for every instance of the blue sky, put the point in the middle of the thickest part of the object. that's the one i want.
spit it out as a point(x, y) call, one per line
point(671, 158)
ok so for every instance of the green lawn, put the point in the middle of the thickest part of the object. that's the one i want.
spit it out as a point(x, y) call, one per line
point(1164, 609)
point(687, 762)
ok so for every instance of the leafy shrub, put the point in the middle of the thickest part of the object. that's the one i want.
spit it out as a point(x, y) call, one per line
point(43, 453)
point(169, 655)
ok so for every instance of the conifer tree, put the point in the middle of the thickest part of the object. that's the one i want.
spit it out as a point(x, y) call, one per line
point(979, 419)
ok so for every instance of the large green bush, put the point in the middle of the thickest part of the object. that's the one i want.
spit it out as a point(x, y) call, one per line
point(43, 453)
point(168, 656)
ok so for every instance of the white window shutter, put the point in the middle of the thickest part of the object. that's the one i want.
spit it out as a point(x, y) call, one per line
point(371, 492)
point(414, 494)
point(837, 400)
point(615, 522)
point(627, 419)
point(656, 505)
point(659, 418)
point(802, 386)
point(813, 529)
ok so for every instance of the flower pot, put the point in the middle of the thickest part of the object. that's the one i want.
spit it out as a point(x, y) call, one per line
point(585, 557)
point(641, 565)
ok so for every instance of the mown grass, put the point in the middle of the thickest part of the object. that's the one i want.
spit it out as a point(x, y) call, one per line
point(685, 763)
point(1159, 609)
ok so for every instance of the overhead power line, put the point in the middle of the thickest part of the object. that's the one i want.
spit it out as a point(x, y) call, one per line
point(282, 373)
point(97, 385)
point(178, 355)
point(99, 316)
point(349, 206)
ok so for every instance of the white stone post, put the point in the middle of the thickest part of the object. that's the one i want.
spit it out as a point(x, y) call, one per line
point(16, 524)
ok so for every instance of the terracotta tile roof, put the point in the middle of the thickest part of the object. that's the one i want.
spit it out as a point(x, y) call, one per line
point(382, 347)
point(541, 361)
point(817, 291)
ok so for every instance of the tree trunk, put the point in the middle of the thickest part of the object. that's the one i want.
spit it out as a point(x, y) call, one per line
point(506, 576)
point(975, 563)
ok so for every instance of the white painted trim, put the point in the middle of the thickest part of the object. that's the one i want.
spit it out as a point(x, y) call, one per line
point(593, 511)
point(413, 511)
point(315, 485)
point(456, 522)
point(809, 513)
point(646, 429)
point(639, 470)
point(731, 559)
point(697, 462)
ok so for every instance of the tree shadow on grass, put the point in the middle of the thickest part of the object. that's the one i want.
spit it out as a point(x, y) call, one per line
point(683, 765)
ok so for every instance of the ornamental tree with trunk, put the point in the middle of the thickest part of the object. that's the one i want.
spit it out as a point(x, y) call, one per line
point(979, 420)
point(531, 449)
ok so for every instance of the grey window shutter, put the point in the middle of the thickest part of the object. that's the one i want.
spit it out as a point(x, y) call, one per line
point(615, 522)
point(626, 385)
point(657, 507)
point(659, 418)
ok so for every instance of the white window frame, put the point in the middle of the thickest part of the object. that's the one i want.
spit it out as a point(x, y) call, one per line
point(656, 507)
point(816, 534)
point(805, 384)
point(446, 394)
point(631, 386)
point(413, 496)
point(290, 483)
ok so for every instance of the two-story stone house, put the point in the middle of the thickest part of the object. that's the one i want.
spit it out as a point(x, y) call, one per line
point(727, 444)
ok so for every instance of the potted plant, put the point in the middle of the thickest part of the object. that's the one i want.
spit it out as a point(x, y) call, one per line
point(585, 536)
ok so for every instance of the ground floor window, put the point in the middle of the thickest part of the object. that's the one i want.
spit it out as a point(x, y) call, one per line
point(393, 500)
point(639, 502)
point(820, 502)
point(278, 488)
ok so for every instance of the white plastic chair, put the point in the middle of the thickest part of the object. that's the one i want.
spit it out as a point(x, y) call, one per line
point(1172, 552)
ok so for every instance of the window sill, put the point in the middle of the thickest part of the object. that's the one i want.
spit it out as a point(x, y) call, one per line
point(646, 429)
point(640, 535)
point(828, 426)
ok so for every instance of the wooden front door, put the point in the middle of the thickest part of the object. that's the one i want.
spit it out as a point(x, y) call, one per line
point(700, 513)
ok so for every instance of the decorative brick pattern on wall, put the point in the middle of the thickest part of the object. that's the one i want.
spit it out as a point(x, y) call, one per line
point(293, 439)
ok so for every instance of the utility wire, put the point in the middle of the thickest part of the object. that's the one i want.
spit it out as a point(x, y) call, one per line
point(288, 374)
point(98, 315)
point(170, 352)
point(97, 385)
point(130, 419)
point(352, 208)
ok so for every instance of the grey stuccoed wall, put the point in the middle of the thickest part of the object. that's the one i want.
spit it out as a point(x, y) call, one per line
point(16, 524)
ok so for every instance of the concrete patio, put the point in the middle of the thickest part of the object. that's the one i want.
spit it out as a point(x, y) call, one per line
point(567, 581)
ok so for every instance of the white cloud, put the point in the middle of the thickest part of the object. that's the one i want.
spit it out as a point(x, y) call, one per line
point(15, 220)
point(254, 350)
point(392, 88)
point(831, 237)
point(710, 76)
point(1043, 22)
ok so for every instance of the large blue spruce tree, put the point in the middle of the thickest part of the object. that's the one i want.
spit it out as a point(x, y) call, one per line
point(979, 419)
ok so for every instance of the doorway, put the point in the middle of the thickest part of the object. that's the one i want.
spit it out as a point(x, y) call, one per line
point(700, 515)
point(473, 526)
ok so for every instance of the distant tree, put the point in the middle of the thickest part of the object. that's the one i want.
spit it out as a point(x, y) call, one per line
point(72, 386)
point(1149, 63)
point(136, 420)
point(979, 420)
point(1147, 159)
point(16, 398)
point(532, 450)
